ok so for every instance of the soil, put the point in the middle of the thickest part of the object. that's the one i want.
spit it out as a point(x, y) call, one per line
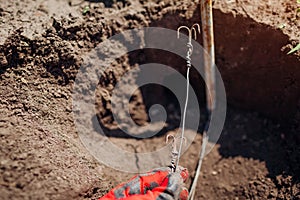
point(42, 45)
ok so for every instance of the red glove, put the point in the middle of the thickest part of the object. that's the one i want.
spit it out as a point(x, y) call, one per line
point(158, 184)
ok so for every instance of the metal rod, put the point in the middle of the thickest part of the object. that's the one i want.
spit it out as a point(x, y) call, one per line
point(209, 69)
point(209, 57)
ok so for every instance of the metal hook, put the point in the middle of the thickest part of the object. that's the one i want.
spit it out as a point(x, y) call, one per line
point(195, 31)
point(175, 151)
point(169, 135)
point(190, 31)
point(174, 138)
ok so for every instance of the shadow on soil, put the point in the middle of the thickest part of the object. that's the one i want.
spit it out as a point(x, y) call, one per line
point(258, 76)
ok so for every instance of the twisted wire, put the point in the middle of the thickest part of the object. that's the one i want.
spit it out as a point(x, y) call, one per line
point(189, 65)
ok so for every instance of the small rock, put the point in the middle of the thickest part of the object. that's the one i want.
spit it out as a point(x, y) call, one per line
point(68, 109)
point(7, 176)
point(23, 80)
point(3, 164)
point(214, 173)
point(22, 156)
point(3, 60)
point(24, 44)
point(56, 95)
point(43, 9)
point(225, 165)
point(91, 19)
point(20, 185)
point(273, 193)
point(101, 5)
point(81, 44)
point(21, 55)
point(17, 111)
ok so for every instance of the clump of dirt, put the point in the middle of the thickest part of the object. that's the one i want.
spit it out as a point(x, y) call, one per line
point(42, 44)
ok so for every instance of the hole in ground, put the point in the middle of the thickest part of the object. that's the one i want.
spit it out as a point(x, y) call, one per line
point(259, 77)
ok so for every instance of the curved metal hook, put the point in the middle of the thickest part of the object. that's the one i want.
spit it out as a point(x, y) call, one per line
point(195, 31)
point(190, 31)
point(174, 140)
point(170, 135)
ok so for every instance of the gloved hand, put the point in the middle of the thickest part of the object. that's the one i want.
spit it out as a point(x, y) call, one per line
point(159, 184)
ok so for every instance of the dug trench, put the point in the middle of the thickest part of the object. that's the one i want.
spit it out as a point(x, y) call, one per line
point(257, 155)
point(262, 123)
